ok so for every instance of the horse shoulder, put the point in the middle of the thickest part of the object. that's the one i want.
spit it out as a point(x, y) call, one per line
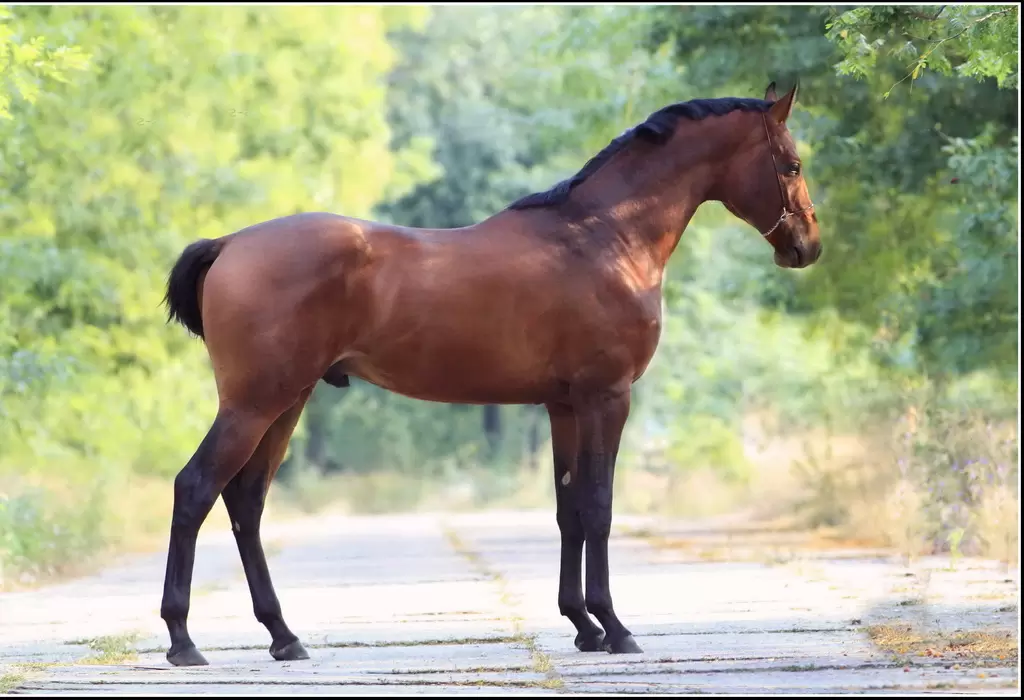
point(640, 305)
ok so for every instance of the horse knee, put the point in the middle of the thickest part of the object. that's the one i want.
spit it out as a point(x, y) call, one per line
point(194, 497)
point(223, 452)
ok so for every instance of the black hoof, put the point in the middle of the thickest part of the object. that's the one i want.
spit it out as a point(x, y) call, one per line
point(590, 642)
point(290, 652)
point(189, 656)
point(626, 645)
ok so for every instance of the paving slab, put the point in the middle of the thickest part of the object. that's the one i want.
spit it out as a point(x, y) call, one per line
point(466, 604)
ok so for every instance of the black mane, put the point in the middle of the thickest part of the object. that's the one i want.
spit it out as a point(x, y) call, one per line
point(657, 128)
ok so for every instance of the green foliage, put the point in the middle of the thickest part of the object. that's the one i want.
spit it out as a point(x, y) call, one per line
point(969, 313)
point(941, 476)
point(39, 537)
point(460, 100)
point(188, 123)
point(975, 41)
point(29, 61)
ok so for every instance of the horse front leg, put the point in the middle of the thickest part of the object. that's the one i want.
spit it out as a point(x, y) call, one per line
point(601, 421)
point(571, 602)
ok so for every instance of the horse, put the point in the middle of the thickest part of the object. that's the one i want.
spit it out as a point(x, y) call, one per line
point(555, 301)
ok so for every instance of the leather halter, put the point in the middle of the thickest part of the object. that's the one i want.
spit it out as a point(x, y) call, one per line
point(786, 213)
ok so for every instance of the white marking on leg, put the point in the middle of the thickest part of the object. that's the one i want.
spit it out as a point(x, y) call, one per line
point(566, 479)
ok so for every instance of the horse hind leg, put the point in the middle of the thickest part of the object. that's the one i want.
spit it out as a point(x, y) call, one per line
point(245, 497)
point(228, 445)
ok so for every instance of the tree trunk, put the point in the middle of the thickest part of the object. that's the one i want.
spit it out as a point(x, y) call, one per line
point(533, 442)
point(316, 439)
point(492, 428)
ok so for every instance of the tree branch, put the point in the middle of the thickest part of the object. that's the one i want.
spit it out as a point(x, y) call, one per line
point(920, 60)
point(970, 26)
point(927, 18)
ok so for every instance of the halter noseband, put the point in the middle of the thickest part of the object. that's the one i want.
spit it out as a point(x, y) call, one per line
point(786, 213)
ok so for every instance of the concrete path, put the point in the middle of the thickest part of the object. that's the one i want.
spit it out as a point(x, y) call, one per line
point(467, 604)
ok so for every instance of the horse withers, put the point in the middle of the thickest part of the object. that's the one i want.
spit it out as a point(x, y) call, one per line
point(555, 300)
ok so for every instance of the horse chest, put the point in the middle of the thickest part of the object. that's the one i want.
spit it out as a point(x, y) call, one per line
point(615, 343)
point(646, 334)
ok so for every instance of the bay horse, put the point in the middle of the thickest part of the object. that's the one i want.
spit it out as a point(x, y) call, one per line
point(555, 300)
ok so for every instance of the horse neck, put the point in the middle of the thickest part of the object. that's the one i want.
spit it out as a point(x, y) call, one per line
point(648, 193)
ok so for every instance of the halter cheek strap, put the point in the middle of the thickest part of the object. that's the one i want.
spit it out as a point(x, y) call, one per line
point(786, 213)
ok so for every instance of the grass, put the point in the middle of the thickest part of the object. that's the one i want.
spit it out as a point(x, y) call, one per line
point(110, 649)
point(11, 680)
point(50, 532)
point(697, 493)
point(19, 673)
point(54, 530)
point(936, 480)
point(906, 640)
point(897, 487)
point(307, 492)
point(770, 542)
point(988, 596)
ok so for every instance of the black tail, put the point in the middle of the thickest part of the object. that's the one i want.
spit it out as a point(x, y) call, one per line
point(182, 297)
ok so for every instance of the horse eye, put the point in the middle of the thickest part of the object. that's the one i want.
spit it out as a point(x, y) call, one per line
point(794, 169)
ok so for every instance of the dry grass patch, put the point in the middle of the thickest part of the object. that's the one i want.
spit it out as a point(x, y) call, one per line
point(978, 646)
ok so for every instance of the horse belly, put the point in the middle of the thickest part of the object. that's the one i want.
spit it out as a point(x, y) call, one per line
point(473, 369)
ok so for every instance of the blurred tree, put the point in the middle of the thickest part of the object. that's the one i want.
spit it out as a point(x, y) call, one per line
point(968, 307)
point(29, 62)
point(192, 122)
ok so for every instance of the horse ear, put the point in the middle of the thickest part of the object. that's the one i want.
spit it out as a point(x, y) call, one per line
point(769, 94)
point(780, 110)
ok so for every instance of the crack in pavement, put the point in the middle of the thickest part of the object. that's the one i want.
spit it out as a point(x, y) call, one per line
point(461, 641)
point(541, 662)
